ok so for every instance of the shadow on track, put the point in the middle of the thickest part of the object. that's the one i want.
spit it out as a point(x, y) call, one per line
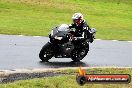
point(63, 64)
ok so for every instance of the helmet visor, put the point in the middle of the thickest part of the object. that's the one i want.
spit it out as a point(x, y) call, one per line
point(76, 21)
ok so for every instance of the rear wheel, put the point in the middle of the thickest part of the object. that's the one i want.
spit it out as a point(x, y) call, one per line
point(78, 54)
point(46, 53)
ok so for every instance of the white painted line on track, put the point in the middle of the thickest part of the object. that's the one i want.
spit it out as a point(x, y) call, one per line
point(129, 41)
point(44, 36)
point(21, 35)
point(37, 36)
point(114, 40)
point(98, 39)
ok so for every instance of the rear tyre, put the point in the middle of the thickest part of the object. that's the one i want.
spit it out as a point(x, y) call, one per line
point(46, 53)
point(78, 55)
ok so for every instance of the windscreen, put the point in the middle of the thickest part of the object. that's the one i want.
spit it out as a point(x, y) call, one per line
point(62, 27)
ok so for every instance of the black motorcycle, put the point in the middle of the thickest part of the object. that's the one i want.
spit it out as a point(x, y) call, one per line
point(62, 46)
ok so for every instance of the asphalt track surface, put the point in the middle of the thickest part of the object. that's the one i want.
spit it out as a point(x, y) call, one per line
point(20, 52)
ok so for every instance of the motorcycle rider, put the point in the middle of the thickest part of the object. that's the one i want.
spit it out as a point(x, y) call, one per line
point(83, 30)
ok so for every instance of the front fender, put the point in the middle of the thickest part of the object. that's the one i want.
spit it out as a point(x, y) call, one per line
point(47, 45)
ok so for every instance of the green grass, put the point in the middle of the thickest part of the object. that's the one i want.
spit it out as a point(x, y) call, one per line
point(69, 81)
point(111, 18)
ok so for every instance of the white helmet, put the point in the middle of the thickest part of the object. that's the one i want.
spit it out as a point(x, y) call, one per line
point(77, 18)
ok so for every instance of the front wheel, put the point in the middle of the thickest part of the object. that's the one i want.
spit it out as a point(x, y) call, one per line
point(78, 55)
point(46, 53)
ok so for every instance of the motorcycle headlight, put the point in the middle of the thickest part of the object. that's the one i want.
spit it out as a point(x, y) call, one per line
point(59, 38)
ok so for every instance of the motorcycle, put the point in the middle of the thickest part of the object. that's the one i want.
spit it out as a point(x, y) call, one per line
point(62, 46)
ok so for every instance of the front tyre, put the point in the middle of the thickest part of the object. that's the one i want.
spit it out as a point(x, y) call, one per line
point(46, 52)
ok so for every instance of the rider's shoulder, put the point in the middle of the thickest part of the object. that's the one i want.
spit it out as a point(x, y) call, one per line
point(85, 23)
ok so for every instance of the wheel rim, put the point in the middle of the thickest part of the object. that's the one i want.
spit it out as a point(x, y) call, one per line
point(47, 54)
point(79, 54)
point(82, 53)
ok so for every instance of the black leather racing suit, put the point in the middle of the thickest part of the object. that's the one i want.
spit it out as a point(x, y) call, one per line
point(82, 31)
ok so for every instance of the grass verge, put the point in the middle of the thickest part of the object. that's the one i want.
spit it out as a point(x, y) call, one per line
point(69, 81)
point(111, 18)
